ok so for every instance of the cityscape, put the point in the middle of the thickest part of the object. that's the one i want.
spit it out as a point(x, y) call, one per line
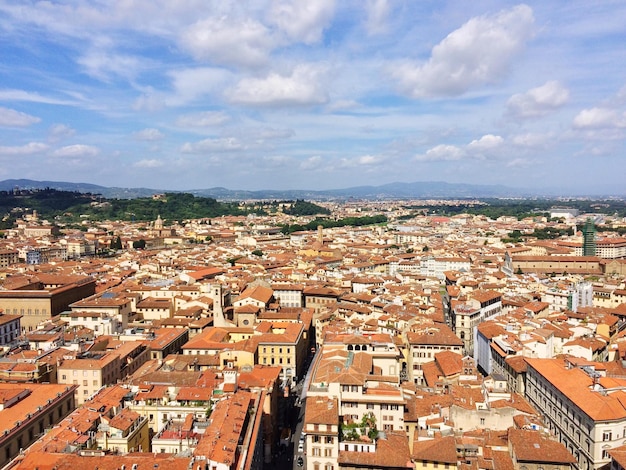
point(419, 340)
point(312, 235)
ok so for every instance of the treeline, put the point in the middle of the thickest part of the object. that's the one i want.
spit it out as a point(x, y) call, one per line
point(171, 206)
point(523, 208)
point(545, 233)
point(329, 223)
point(302, 207)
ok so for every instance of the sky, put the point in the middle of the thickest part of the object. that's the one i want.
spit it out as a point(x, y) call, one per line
point(316, 94)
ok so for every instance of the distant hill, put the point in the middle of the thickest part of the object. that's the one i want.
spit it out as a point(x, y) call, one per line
point(426, 189)
point(114, 193)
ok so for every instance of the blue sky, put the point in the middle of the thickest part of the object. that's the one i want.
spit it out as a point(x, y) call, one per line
point(288, 94)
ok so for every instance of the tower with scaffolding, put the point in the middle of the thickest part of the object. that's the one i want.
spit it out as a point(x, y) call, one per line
point(589, 238)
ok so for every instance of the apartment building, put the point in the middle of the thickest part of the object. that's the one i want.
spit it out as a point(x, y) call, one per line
point(27, 410)
point(321, 428)
point(424, 343)
point(466, 316)
point(10, 328)
point(89, 372)
point(108, 304)
point(583, 407)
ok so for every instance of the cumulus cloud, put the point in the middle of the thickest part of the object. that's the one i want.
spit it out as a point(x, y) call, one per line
point(302, 87)
point(538, 101)
point(486, 142)
point(599, 118)
point(148, 163)
point(148, 134)
point(362, 161)
point(27, 149)
point(228, 144)
point(302, 21)
point(311, 163)
point(76, 151)
point(203, 119)
point(442, 152)
point(228, 40)
point(477, 53)
point(488, 146)
point(12, 118)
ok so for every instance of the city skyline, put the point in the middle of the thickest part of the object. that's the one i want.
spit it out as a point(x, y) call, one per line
point(277, 95)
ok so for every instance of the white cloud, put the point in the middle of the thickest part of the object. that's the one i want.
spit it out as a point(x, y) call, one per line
point(102, 65)
point(538, 101)
point(311, 163)
point(228, 40)
point(203, 119)
point(59, 131)
point(148, 163)
point(486, 143)
point(362, 162)
point(519, 163)
point(302, 21)
point(76, 151)
point(33, 97)
point(598, 118)
point(28, 149)
point(442, 152)
point(229, 144)
point(531, 140)
point(12, 118)
point(377, 13)
point(194, 83)
point(148, 134)
point(487, 146)
point(342, 105)
point(302, 87)
point(478, 53)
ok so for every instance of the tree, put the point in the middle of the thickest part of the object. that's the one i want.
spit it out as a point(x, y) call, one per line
point(139, 244)
point(257, 253)
point(116, 243)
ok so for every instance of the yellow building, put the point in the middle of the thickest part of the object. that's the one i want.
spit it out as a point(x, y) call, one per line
point(90, 373)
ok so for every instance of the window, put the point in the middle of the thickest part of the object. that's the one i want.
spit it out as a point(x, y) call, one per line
point(607, 436)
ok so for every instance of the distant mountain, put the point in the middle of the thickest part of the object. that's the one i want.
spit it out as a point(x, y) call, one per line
point(432, 189)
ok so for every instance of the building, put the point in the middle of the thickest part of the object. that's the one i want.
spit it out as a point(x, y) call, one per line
point(583, 408)
point(27, 410)
point(89, 372)
point(10, 328)
point(44, 297)
point(589, 238)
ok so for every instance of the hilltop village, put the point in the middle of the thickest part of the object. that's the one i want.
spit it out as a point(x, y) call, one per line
point(425, 342)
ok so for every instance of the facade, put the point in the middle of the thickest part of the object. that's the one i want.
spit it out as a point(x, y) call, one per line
point(27, 410)
point(90, 373)
point(582, 407)
point(10, 328)
point(424, 344)
point(40, 302)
